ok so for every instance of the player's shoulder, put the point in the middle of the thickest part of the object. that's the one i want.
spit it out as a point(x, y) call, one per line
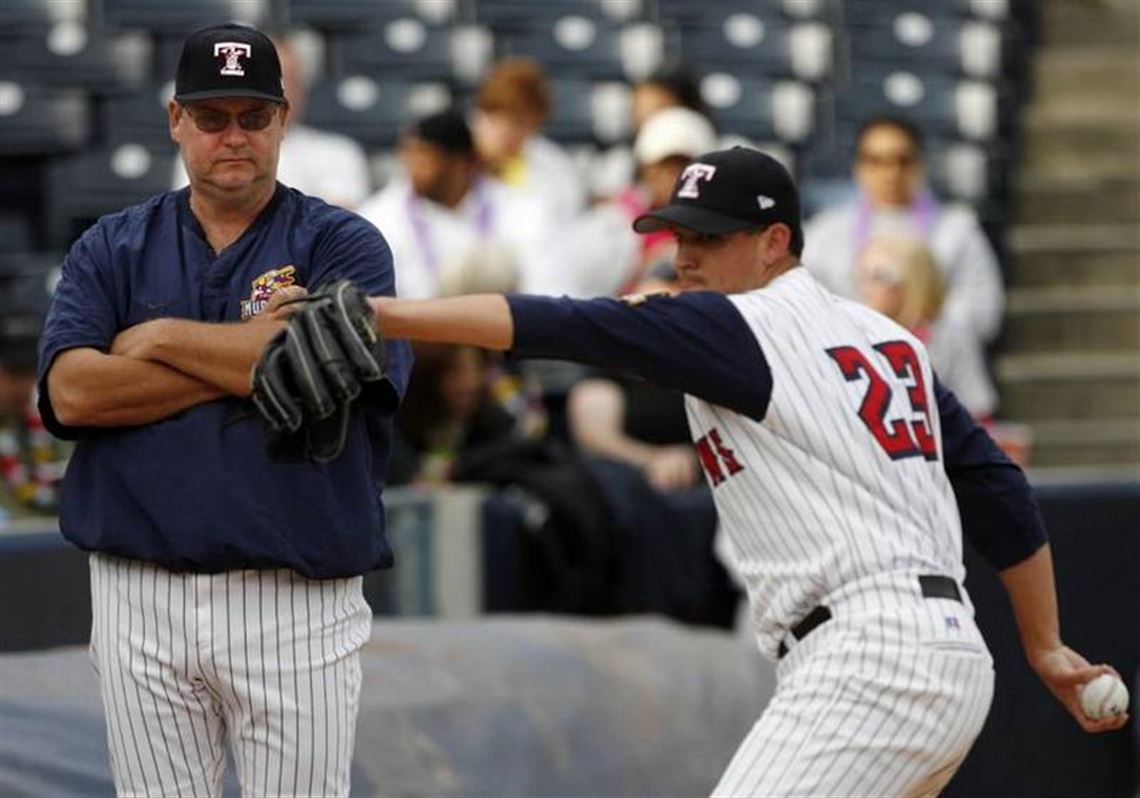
point(131, 224)
point(330, 225)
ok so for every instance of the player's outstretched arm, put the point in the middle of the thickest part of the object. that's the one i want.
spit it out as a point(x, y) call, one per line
point(482, 320)
point(1032, 594)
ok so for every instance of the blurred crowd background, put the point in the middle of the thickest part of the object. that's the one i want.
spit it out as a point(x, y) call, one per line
point(968, 167)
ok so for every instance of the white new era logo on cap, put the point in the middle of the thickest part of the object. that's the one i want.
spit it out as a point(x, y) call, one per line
point(765, 202)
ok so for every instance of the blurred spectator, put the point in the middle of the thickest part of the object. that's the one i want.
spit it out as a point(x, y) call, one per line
point(671, 87)
point(898, 277)
point(449, 408)
point(513, 103)
point(453, 229)
point(894, 199)
point(609, 257)
point(32, 462)
point(315, 162)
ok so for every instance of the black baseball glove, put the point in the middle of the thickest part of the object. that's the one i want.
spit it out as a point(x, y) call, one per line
point(308, 377)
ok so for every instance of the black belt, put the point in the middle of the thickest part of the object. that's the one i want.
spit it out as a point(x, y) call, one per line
point(932, 586)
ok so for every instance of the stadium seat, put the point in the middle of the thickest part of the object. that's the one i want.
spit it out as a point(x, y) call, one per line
point(589, 112)
point(20, 16)
point(72, 55)
point(373, 111)
point(938, 102)
point(760, 109)
point(183, 17)
point(41, 121)
point(687, 12)
point(883, 12)
point(355, 14)
point(139, 118)
point(577, 46)
point(523, 13)
point(746, 43)
point(15, 232)
point(402, 48)
point(84, 187)
point(969, 47)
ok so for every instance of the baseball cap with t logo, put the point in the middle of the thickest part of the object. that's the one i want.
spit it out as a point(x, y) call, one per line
point(228, 61)
point(727, 191)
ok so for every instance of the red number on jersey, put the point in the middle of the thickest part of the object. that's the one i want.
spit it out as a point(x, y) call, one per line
point(904, 361)
point(899, 439)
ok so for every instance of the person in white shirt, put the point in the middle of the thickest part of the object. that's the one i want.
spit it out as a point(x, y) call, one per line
point(445, 219)
point(514, 101)
point(315, 162)
point(894, 199)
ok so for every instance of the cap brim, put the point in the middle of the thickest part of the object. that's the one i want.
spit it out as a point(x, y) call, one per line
point(222, 94)
point(690, 217)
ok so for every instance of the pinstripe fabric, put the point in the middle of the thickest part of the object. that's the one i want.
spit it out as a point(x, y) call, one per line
point(266, 660)
point(875, 702)
point(888, 696)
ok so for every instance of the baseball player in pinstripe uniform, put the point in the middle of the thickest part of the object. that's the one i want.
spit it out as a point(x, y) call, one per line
point(225, 585)
point(843, 474)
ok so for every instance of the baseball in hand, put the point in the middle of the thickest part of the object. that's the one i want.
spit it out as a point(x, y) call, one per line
point(1104, 697)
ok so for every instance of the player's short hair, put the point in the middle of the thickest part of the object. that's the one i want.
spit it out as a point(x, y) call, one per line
point(516, 84)
point(796, 244)
point(900, 123)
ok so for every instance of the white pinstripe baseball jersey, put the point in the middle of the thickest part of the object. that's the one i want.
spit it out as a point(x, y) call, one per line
point(841, 481)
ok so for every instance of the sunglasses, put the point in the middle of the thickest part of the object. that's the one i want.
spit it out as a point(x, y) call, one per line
point(211, 120)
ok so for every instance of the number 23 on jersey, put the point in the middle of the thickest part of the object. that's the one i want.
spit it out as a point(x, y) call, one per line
point(899, 438)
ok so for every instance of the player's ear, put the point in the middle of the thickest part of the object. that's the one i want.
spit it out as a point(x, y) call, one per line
point(174, 114)
point(285, 111)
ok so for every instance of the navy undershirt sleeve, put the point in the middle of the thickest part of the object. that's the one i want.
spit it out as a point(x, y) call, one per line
point(1000, 517)
point(696, 342)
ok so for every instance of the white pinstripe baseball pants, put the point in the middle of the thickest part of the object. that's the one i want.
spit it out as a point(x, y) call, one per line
point(269, 659)
point(872, 703)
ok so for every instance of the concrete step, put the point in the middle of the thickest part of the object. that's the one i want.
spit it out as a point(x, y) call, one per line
point(1075, 268)
point(1085, 442)
point(1086, 72)
point(1035, 239)
point(1073, 318)
point(1069, 385)
point(1094, 148)
point(1078, 22)
point(1041, 199)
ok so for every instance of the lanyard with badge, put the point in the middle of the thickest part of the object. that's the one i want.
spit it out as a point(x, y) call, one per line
point(421, 226)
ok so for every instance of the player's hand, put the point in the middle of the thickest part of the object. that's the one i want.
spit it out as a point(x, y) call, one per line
point(1064, 671)
point(672, 468)
point(283, 304)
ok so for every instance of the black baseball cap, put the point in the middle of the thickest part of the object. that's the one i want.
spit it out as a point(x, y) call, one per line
point(228, 61)
point(727, 191)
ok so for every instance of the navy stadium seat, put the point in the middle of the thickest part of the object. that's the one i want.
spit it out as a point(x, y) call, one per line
point(588, 112)
point(17, 16)
point(41, 121)
point(686, 12)
point(577, 46)
point(183, 16)
point(373, 111)
point(400, 48)
point(524, 13)
point(140, 118)
point(970, 47)
point(761, 109)
point(750, 44)
point(937, 102)
point(355, 14)
point(71, 55)
point(883, 12)
point(84, 187)
point(15, 232)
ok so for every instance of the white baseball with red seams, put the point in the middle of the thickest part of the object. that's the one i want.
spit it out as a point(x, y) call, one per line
point(1104, 697)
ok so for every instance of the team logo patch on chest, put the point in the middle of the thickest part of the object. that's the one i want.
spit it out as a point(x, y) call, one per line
point(264, 286)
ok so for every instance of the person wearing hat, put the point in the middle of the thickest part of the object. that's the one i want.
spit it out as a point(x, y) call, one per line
point(610, 259)
point(451, 225)
point(226, 586)
point(843, 474)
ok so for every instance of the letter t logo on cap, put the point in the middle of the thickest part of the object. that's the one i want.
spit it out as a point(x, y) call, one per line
point(692, 176)
point(232, 51)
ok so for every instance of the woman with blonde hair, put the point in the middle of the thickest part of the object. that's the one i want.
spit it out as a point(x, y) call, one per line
point(898, 276)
